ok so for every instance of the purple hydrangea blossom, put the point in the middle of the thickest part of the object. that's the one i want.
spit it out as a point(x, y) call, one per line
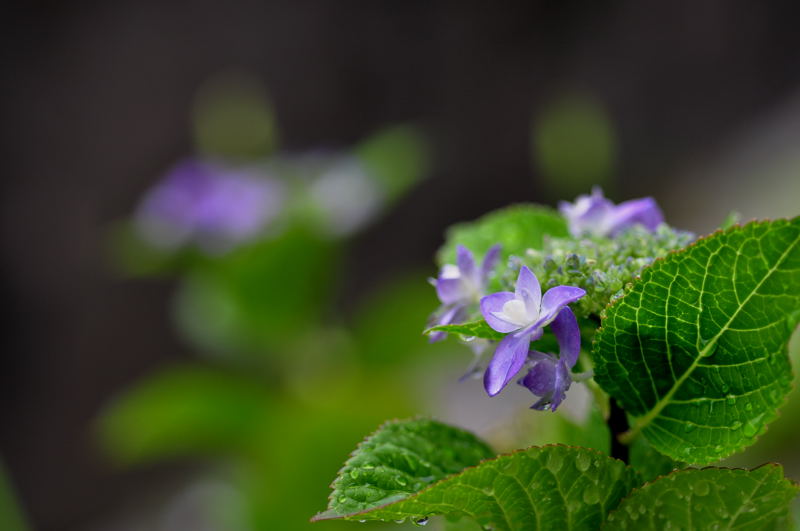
point(549, 377)
point(594, 215)
point(522, 315)
point(461, 284)
point(208, 204)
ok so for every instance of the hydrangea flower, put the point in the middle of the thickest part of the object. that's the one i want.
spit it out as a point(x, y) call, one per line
point(209, 204)
point(594, 215)
point(460, 285)
point(549, 377)
point(522, 315)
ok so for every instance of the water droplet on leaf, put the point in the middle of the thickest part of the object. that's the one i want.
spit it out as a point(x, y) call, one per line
point(583, 462)
point(701, 488)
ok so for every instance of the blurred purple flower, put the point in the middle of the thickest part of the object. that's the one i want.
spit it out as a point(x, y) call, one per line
point(460, 285)
point(595, 215)
point(209, 204)
point(550, 377)
point(522, 315)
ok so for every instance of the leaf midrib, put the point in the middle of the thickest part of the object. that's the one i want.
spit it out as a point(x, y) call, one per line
point(645, 420)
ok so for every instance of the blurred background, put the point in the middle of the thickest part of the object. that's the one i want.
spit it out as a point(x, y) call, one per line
point(212, 371)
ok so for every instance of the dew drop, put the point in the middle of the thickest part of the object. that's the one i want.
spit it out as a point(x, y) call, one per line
point(688, 426)
point(400, 521)
point(421, 522)
point(342, 499)
point(750, 429)
point(555, 461)
point(724, 387)
point(748, 407)
point(730, 399)
point(736, 425)
point(354, 473)
point(591, 496)
point(719, 449)
point(583, 462)
point(701, 488)
point(402, 481)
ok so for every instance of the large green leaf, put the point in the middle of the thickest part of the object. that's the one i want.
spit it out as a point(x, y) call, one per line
point(649, 463)
point(401, 458)
point(711, 498)
point(517, 228)
point(695, 352)
point(551, 487)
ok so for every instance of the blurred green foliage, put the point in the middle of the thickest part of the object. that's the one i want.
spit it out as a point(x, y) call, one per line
point(11, 517)
point(574, 144)
point(233, 118)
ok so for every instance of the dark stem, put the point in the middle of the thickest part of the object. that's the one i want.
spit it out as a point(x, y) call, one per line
point(618, 423)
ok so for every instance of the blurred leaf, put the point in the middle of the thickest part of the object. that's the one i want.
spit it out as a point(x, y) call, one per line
point(560, 487)
point(260, 297)
point(711, 498)
point(11, 518)
point(730, 220)
point(574, 144)
point(183, 411)
point(517, 228)
point(722, 310)
point(398, 157)
point(649, 463)
point(304, 444)
point(233, 118)
point(130, 255)
point(386, 326)
point(401, 458)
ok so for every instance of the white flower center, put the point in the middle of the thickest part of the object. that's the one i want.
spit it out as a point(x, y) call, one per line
point(514, 311)
point(450, 271)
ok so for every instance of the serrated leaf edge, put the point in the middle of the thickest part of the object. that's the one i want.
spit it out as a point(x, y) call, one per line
point(635, 490)
point(324, 516)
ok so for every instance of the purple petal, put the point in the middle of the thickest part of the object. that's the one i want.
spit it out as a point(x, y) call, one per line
point(465, 262)
point(489, 262)
point(588, 214)
point(529, 291)
point(561, 383)
point(450, 290)
point(565, 328)
point(556, 298)
point(449, 316)
point(643, 211)
point(494, 303)
point(541, 378)
point(508, 359)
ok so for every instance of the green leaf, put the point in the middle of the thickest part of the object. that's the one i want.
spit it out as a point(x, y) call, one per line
point(478, 329)
point(695, 352)
point(649, 463)
point(711, 498)
point(391, 477)
point(399, 459)
point(517, 228)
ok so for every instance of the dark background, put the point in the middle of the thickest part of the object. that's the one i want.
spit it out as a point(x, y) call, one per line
point(96, 100)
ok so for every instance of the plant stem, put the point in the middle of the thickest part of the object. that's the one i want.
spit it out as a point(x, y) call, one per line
point(618, 423)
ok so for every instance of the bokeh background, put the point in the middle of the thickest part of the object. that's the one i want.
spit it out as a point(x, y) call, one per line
point(133, 396)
